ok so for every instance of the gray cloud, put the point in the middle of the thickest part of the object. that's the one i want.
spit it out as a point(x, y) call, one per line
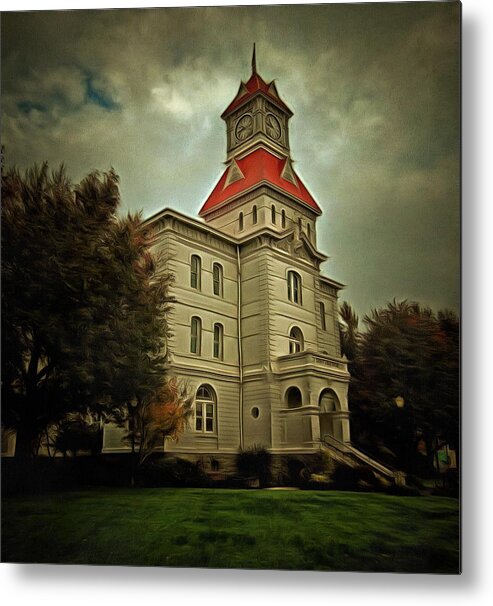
point(375, 135)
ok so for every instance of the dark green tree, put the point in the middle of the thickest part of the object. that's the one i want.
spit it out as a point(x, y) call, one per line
point(407, 351)
point(83, 305)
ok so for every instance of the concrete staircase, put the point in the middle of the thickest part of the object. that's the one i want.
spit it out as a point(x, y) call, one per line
point(344, 452)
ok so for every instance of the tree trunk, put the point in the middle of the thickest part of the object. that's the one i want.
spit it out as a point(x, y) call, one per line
point(24, 443)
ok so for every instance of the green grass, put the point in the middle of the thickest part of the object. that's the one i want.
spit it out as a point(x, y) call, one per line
point(234, 529)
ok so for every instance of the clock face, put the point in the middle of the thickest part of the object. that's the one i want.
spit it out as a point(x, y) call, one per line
point(244, 127)
point(273, 126)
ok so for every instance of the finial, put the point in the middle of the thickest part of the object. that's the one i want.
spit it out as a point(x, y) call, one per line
point(254, 61)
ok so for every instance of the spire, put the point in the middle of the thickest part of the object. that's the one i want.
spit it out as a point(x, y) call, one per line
point(254, 61)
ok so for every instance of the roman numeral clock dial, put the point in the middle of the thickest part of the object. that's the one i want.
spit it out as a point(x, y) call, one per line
point(273, 126)
point(244, 127)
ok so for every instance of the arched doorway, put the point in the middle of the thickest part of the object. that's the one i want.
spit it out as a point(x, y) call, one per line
point(329, 405)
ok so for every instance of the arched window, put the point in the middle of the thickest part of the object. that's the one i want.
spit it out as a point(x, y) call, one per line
point(240, 222)
point(322, 316)
point(273, 213)
point(205, 409)
point(294, 287)
point(217, 279)
point(218, 341)
point(293, 398)
point(254, 214)
point(283, 218)
point(195, 272)
point(195, 335)
point(295, 340)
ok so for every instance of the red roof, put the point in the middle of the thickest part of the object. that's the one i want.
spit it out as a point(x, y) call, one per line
point(248, 90)
point(258, 167)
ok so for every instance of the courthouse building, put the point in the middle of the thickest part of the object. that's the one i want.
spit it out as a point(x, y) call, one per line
point(254, 321)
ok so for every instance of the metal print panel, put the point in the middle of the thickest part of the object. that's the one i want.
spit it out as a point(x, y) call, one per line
point(230, 287)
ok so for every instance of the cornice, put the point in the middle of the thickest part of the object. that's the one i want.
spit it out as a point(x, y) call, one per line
point(260, 188)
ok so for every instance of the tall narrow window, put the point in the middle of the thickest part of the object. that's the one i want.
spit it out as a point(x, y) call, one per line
point(217, 279)
point(254, 214)
point(195, 272)
point(308, 230)
point(322, 316)
point(294, 287)
point(240, 222)
point(205, 409)
point(295, 340)
point(283, 218)
point(195, 335)
point(300, 224)
point(218, 341)
point(273, 213)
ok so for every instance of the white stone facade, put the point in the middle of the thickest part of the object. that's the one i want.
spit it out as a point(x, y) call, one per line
point(254, 323)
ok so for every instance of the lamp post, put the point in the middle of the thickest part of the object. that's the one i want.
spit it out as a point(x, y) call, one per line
point(399, 402)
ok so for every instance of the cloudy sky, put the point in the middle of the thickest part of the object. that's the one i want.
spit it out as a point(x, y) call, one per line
point(375, 133)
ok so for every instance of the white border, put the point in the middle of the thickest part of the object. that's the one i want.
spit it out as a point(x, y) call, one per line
point(78, 585)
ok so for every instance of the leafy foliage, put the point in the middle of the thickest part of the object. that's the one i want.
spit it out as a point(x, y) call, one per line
point(162, 414)
point(84, 307)
point(406, 351)
point(255, 462)
point(75, 435)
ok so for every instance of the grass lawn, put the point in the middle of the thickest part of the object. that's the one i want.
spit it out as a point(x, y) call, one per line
point(234, 529)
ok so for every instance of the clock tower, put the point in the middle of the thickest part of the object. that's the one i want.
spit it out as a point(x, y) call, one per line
point(259, 188)
point(256, 115)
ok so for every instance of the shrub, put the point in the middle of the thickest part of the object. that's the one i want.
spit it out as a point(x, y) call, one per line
point(170, 471)
point(345, 477)
point(255, 462)
point(76, 435)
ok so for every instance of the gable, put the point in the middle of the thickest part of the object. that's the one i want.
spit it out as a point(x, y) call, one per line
point(298, 245)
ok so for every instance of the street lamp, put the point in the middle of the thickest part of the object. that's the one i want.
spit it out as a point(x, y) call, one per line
point(399, 401)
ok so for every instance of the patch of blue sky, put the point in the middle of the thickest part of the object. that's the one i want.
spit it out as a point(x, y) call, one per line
point(100, 97)
point(26, 107)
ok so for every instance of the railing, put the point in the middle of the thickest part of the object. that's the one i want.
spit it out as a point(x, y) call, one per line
point(348, 449)
point(310, 358)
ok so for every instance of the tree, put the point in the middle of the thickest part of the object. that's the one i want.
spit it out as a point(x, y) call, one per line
point(162, 414)
point(76, 434)
point(83, 304)
point(348, 329)
point(406, 351)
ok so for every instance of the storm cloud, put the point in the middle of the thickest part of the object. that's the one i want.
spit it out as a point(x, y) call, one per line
point(375, 133)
